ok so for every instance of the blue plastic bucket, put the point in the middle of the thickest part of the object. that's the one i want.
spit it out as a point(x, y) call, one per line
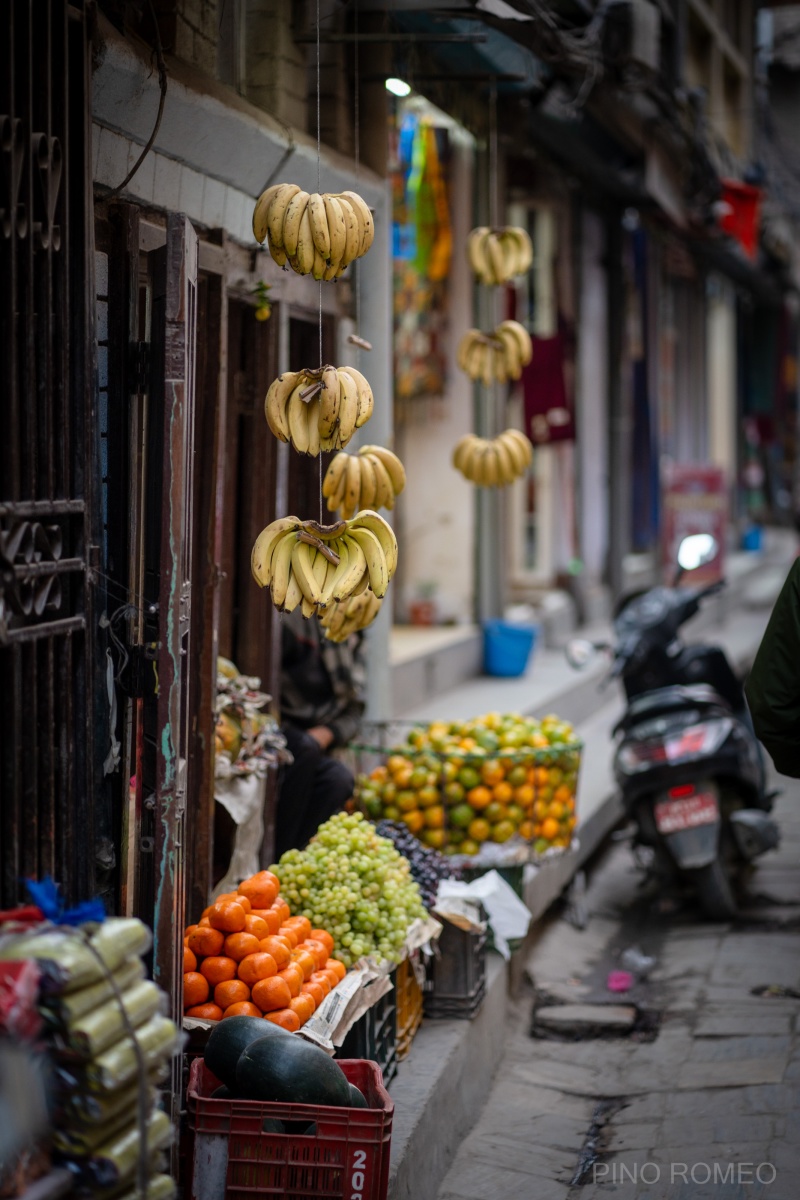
point(507, 647)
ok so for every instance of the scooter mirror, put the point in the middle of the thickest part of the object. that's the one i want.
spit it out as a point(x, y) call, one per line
point(696, 550)
point(579, 653)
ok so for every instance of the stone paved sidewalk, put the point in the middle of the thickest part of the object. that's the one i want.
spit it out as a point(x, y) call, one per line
point(709, 1108)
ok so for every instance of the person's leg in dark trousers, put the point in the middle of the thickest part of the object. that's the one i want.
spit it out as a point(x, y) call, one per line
point(311, 789)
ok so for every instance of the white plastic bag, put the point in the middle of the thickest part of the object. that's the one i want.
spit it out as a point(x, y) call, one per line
point(508, 917)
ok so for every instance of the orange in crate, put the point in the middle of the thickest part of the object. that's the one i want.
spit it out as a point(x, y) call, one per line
point(242, 1009)
point(228, 916)
point(239, 945)
point(195, 989)
point(205, 941)
point(256, 967)
point(218, 968)
point(271, 994)
point(287, 1018)
point(232, 991)
point(260, 889)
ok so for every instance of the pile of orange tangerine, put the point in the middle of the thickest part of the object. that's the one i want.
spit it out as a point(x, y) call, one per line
point(248, 956)
point(459, 785)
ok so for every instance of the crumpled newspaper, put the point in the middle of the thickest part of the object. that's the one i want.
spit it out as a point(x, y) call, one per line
point(248, 741)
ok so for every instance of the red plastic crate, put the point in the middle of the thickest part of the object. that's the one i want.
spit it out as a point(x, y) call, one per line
point(234, 1159)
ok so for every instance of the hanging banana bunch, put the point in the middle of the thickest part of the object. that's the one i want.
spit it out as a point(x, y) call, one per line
point(344, 617)
point(312, 565)
point(499, 355)
point(493, 462)
point(497, 255)
point(318, 409)
point(316, 234)
point(372, 478)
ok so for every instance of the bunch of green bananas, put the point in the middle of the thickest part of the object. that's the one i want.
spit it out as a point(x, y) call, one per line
point(493, 462)
point(318, 409)
point(499, 355)
point(344, 617)
point(316, 234)
point(497, 255)
point(303, 562)
point(372, 478)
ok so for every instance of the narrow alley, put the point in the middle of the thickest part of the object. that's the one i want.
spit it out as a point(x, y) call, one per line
point(700, 1097)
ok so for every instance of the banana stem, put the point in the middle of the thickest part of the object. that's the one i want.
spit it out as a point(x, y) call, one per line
point(304, 536)
point(310, 392)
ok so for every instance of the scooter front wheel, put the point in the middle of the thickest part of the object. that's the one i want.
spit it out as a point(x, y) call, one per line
point(714, 892)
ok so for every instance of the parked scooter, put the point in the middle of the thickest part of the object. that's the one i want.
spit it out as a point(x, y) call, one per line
point(687, 761)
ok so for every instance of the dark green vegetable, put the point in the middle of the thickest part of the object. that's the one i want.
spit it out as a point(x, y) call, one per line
point(357, 1099)
point(229, 1038)
point(292, 1071)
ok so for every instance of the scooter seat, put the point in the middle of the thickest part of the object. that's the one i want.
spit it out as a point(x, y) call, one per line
point(671, 699)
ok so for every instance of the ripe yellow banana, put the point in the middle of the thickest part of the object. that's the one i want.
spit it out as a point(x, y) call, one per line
point(353, 233)
point(291, 222)
point(377, 568)
point(293, 596)
point(303, 570)
point(305, 245)
point(362, 211)
point(330, 483)
point(348, 407)
point(356, 574)
point(318, 217)
point(313, 428)
point(368, 519)
point(353, 489)
point(297, 416)
point(260, 226)
point(330, 400)
point(384, 496)
point(366, 400)
point(265, 545)
point(337, 230)
point(276, 400)
point(281, 569)
point(506, 464)
point(277, 211)
point(391, 463)
point(369, 484)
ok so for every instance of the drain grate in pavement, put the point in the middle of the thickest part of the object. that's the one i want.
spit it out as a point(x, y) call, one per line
point(585, 1022)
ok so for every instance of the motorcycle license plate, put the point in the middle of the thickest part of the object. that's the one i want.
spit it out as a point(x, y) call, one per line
point(686, 812)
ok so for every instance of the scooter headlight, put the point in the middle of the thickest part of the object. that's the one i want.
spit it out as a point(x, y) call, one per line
point(695, 741)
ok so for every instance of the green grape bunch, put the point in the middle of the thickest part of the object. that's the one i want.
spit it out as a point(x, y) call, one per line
point(356, 885)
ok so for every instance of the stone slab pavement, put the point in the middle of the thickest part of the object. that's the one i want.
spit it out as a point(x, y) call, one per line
point(702, 1100)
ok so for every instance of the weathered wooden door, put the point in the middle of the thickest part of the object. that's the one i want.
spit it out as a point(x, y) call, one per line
point(50, 735)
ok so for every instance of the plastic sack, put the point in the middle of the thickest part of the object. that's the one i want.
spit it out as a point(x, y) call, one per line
point(508, 917)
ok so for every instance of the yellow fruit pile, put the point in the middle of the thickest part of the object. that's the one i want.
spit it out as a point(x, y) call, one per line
point(496, 778)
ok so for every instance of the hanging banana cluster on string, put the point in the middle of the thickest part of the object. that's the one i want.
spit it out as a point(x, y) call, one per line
point(339, 572)
point(372, 478)
point(493, 462)
point(497, 255)
point(344, 617)
point(499, 355)
point(312, 565)
point(318, 409)
point(315, 234)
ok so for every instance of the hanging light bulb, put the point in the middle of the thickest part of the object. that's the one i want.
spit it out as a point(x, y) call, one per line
point(398, 87)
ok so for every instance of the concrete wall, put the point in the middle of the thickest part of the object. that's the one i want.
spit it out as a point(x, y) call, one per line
point(275, 65)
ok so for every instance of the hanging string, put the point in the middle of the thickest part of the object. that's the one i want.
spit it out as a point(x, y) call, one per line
point(319, 189)
point(357, 156)
point(494, 184)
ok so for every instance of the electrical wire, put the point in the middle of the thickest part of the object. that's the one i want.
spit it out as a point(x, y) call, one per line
point(162, 83)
